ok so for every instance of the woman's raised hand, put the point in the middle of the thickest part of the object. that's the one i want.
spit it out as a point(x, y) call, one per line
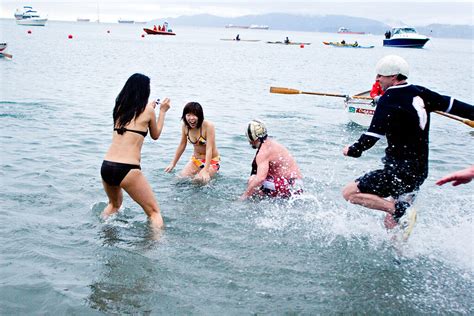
point(165, 105)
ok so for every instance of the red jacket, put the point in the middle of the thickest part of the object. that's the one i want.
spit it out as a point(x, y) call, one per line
point(376, 90)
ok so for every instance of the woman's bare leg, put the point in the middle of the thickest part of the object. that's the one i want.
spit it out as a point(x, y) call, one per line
point(115, 195)
point(136, 185)
point(189, 171)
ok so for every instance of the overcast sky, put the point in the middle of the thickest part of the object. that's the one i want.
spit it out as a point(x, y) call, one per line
point(390, 12)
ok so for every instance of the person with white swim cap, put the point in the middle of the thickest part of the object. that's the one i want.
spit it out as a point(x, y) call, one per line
point(402, 116)
point(274, 171)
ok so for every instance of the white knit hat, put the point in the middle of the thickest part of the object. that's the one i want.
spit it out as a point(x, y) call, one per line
point(256, 129)
point(392, 65)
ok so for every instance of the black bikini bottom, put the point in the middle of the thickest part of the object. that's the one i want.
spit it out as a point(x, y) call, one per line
point(114, 172)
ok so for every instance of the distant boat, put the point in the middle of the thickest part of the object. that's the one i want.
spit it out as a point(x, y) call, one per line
point(290, 43)
point(240, 40)
point(343, 30)
point(251, 26)
point(83, 20)
point(3, 47)
point(348, 45)
point(258, 27)
point(156, 32)
point(405, 37)
point(126, 21)
point(28, 16)
point(141, 22)
point(227, 26)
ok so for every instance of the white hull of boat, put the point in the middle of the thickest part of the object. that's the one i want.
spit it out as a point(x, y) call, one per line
point(359, 111)
point(3, 46)
point(32, 22)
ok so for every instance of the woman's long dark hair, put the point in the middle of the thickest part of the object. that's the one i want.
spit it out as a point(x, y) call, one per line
point(132, 100)
point(196, 109)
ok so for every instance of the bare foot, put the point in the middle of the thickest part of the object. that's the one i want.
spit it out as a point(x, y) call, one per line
point(109, 210)
point(389, 222)
point(156, 227)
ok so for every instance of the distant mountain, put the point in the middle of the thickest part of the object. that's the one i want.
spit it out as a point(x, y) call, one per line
point(444, 30)
point(324, 23)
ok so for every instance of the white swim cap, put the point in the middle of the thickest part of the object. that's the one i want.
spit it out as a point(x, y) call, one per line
point(256, 130)
point(392, 65)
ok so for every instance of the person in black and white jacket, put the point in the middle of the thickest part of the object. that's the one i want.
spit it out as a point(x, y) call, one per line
point(403, 117)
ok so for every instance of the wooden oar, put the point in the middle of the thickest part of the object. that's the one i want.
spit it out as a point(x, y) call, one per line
point(6, 55)
point(294, 91)
point(456, 118)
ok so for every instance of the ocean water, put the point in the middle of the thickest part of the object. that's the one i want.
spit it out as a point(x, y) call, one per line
point(316, 254)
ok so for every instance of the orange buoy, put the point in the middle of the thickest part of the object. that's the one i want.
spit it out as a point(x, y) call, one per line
point(69, 36)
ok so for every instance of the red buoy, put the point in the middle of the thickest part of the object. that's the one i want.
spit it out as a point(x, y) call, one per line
point(69, 36)
point(301, 45)
point(143, 35)
point(29, 32)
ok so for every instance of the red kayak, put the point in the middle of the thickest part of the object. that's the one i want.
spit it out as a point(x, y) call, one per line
point(153, 32)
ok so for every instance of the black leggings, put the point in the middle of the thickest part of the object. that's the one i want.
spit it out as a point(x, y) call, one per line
point(114, 172)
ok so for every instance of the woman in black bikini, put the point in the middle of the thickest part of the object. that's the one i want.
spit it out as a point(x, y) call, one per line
point(200, 133)
point(133, 117)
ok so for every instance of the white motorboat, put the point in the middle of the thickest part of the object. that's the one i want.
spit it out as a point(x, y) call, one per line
point(3, 46)
point(404, 37)
point(28, 16)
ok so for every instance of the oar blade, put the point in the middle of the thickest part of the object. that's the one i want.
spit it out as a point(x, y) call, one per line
point(284, 90)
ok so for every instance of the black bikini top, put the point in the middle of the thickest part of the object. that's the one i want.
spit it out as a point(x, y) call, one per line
point(201, 140)
point(254, 162)
point(122, 130)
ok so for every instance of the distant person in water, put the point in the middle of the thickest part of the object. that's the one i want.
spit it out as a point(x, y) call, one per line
point(343, 42)
point(459, 177)
point(205, 161)
point(402, 117)
point(287, 40)
point(237, 38)
point(274, 171)
point(133, 117)
point(355, 44)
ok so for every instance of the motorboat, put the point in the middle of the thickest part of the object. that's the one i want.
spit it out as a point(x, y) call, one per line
point(28, 16)
point(156, 32)
point(404, 37)
point(3, 46)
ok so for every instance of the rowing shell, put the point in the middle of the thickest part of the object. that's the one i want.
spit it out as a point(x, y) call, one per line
point(360, 111)
point(346, 45)
point(242, 40)
point(290, 43)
